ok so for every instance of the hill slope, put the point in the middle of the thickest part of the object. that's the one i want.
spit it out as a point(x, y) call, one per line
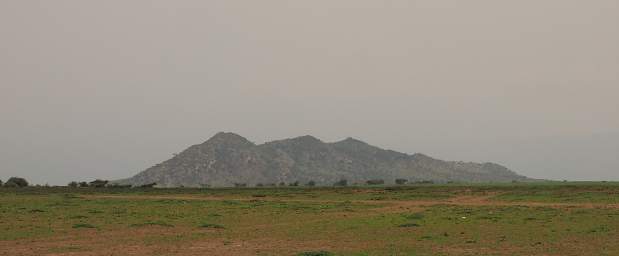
point(228, 158)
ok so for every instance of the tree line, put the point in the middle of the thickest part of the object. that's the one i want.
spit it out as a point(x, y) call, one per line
point(17, 182)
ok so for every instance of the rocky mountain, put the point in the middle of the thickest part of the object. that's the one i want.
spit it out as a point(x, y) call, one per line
point(228, 158)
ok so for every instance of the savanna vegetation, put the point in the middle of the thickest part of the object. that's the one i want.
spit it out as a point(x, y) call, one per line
point(419, 219)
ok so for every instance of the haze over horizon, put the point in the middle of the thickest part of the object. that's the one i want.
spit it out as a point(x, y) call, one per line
point(107, 89)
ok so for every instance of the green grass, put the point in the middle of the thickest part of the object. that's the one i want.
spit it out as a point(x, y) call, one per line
point(339, 221)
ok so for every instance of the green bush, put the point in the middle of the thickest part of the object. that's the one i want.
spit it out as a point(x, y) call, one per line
point(152, 223)
point(98, 183)
point(409, 225)
point(83, 225)
point(316, 253)
point(400, 181)
point(210, 225)
point(10, 184)
point(414, 216)
point(16, 182)
point(375, 182)
point(341, 183)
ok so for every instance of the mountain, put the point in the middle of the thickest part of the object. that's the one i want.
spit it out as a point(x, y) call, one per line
point(228, 158)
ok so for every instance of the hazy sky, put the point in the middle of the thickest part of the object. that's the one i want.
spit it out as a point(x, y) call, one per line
point(105, 89)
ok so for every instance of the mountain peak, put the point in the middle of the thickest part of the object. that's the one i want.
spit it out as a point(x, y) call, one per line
point(307, 138)
point(229, 138)
point(351, 140)
point(229, 158)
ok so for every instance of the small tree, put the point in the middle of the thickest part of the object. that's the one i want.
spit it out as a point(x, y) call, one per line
point(0, 183)
point(83, 184)
point(341, 183)
point(311, 183)
point(10, 184)
point(98, 183)
point(73, 184)
point(375, 182)
point(19, 182)
point(294, 184)
point(116, 185)
point(282, 184)
point(400, 181)
point(149, 185)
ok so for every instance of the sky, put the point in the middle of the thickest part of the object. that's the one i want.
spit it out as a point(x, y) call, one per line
point(105, 89)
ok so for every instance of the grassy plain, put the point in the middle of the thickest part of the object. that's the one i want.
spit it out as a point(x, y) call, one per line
point(454, 219)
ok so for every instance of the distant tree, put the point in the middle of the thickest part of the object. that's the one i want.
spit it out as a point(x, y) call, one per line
point(341, 183)
point(424, 182)
point(259, 185)
point(116, 185)
point(83, 184)
point(1, 183)
point(375, 182)
point(98, 183)
point(73, 184)
point(294, 184)
point(10, 184)
point(149, 185)
point(311, 183)
point(240, 185)
point(19, 182)
point(400, 181)
point(282, 184)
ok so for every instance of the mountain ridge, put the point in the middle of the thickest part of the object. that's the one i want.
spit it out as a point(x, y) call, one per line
point(228, 158)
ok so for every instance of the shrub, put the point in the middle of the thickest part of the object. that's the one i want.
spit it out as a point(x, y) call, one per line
point(316, 253)
point(375, 182)
point(152, 223)
point(83, 225)
point(415, 216)
point(409, 225)
point(149, 185)
point(424, 182)
point(259, 185)
point(341, 183)
point(400, 181)
point(240, 185)
point(98, 183)
point(73, 184)
point(294, 184)
point(116, 185)
point(83, 184)
point(282, 184)
point(210, 225)
point(17, 182)
point(10, 184)
point(311, 183)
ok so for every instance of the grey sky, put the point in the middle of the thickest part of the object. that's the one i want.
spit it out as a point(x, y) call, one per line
point(107, 88)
